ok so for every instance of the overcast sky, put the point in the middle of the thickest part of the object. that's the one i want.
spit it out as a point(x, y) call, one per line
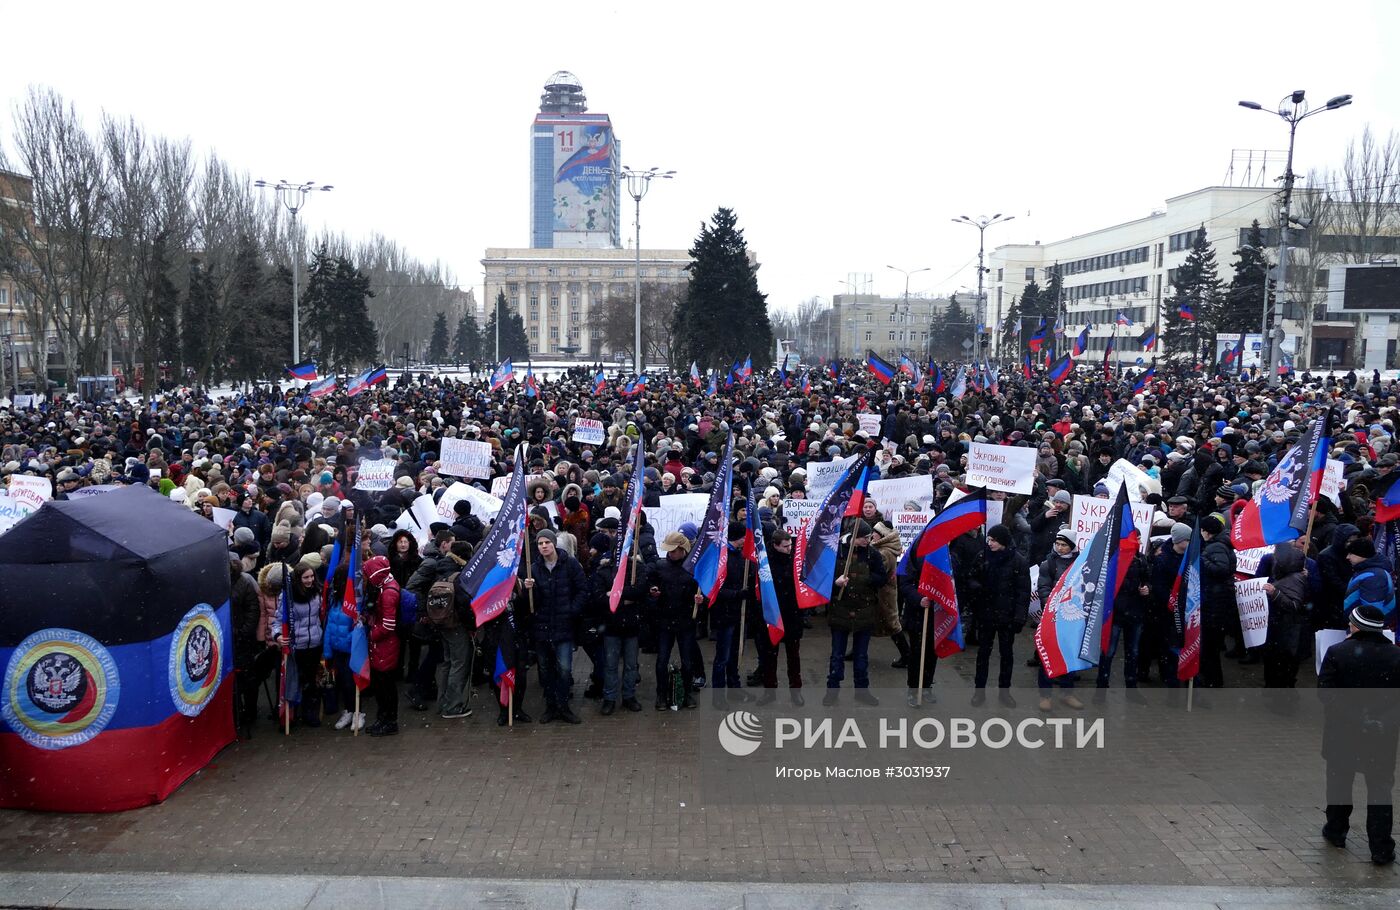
point(845, 136)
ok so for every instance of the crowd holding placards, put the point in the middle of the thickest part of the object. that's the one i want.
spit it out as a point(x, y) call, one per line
point(318, 557)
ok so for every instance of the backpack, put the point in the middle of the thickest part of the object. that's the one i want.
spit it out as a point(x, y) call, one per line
point(440, 610)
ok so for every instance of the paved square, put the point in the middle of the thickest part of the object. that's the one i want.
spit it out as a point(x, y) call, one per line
point(619, 798)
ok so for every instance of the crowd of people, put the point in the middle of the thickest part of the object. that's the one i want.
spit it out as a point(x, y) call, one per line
point(285, 465)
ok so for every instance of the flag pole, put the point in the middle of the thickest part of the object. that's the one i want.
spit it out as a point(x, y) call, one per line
point(850, 551)
point(923, 657)
point(743, 613)
point(510, 707)
point(1190, 691)
point(355, 718)
point(529, 572)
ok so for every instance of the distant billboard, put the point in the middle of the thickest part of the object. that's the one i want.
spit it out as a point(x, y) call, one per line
point(583, 157)
point(1364, 289)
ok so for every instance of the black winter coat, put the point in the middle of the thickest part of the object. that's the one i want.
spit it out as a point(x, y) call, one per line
point(561, 595)
point(1365, 661)
point(786, 589)
point(1006, 590)
point(246, 612)
point(733, 593)
point(1218, 583)
point(675, 606)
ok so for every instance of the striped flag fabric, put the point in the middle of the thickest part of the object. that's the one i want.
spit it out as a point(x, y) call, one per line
point(1123, 319)
point(1144, 378)
point(1037, 339)
point(767, 593)
point(694, 374)
point(959, 388)
point(707, 562)
point(1278, 513)
point(929, 556)
point(1077, 620)
point(321, 388)
point(1081, 344)
point(814, 558)
point(532, 388)
point(1108, 359)
point(1059, 370)
point(1184, 311)
point(489, 578)
point(305, 371)
point(881, 368)
point(1185, 600)
point(1148, 339)
point(600, 383)
point(622, 554)
point(503, 674)
point(504, 373)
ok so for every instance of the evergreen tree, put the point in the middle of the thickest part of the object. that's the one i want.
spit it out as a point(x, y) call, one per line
point(466, 345)
point(273, 309)
point(245, 348)
point(723, 316)
point(1197, 284)
point(515, 345)
point(1030, 303)
point(1049, 298)
point(1010, 339)
point(196, 310)
point(950, 330)
point(1244, 300)
point(437, 344)
point(337, 313)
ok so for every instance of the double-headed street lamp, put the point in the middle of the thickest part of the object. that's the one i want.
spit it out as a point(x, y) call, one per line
point(1293, 109)
point(638, 182)
point(906, 273)
point(293, 196)
point(982, 223)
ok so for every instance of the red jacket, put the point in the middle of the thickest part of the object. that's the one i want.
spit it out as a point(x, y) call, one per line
point(383, 629)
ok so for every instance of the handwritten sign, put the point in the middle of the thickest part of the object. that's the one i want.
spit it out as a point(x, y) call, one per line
point(31, 492)
point(1332, 481)
point(797, 511)
point(483, 504)
point(869, 424)
point(589, 431)
point(908, 525)
point(375, 475)
point(822, 476)
point(12, 512)
point(1253, 604)
point(465, 458)
point(674, 511)
point(1089, 513)
point(1010, 469)
point(1247, 561)
point(1124, 471)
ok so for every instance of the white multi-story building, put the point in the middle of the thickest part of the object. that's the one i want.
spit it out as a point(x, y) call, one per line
point(561, 294)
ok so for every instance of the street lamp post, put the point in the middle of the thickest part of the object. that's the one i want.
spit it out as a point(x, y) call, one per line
point(293, 196)
point(1293, 109)
point(982, 223)
point(638, 182)
point(906, 273)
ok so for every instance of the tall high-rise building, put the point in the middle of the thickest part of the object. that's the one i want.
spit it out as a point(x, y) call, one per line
point(575, 197)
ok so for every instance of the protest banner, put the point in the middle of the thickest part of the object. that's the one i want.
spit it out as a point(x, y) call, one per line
point(869, 424)
point(405, 522)
point(796, 511)
point(1089, 512)
point(98, 490)
point(499, 484)
point(908, 525)
point(996, 511)
point(1253, 605)
point(1006, 468)
point(675, 511)
point(1138, 480)
point(1332, 481)
point(891, 495)
point(484, 505)
point(1036, 605)
point(29, 491)
point(376, 475)
point(223, 517)
point(589, 431)
point(12, 512)
point(465, 458)
point(822, 476)
point(1247, 561)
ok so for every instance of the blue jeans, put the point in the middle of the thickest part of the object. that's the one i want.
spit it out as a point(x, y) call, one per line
point(725, 672)
point(860, 644)
point(1131, 634)
point(684, 641)
point(625, 648)
point(556, 672)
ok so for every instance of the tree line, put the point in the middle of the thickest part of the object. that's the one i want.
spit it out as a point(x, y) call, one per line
point(134, 251)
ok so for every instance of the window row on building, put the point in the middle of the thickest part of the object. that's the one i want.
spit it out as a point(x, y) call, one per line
point(593, 272)
point(1106, 261)
point(1116, 288)
point(1183, 241)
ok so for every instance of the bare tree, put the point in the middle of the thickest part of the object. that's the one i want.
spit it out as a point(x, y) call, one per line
point(659, 303)
point(57, 247)
point(150, 212)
